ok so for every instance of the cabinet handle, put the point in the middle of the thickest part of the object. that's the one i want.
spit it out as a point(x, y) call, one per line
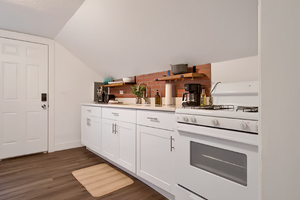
point(115, 114)
point(112, 126)
point(116, 129)
point(171, 143)
point(88, 121)
point(153, 119)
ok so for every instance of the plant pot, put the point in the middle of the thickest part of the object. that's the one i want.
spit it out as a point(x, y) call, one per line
point(138, 100)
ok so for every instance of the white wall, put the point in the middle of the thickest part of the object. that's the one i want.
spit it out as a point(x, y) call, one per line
point(280, 94)
point(124, 38)
point(74, 84)
point(237, 70)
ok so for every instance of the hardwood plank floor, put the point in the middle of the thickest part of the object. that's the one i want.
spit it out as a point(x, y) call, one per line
point(48, 176)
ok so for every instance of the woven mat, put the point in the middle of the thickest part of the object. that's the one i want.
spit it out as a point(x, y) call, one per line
point(101, 179)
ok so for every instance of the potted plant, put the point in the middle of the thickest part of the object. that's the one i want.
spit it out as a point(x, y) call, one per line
point(138, 92)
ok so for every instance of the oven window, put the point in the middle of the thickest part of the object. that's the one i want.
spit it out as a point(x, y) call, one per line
point(227, 164)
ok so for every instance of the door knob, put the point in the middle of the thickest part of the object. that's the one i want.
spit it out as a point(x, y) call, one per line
point(44, 106)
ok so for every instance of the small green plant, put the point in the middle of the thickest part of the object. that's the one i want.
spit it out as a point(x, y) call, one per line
point(138, 93)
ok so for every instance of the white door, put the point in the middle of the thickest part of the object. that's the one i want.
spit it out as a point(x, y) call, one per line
point(127, 144)
point(155, 156)
point(23, 78)
point(109, 139)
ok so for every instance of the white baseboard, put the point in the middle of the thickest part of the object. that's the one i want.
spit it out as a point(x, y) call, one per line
point(68, 145)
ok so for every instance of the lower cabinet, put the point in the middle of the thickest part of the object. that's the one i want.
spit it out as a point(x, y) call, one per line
point(91, 128)
point(155, 156)
point(119, 143)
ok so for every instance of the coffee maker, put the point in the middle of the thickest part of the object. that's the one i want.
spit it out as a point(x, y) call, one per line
point(192, 98)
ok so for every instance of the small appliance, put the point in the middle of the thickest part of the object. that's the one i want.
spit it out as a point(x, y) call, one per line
point(192, 98)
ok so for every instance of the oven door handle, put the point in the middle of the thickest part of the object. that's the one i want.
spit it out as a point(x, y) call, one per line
point(194, 197)
point(251, 139)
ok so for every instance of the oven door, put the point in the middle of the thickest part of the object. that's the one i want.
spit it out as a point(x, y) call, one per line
point(217, 164)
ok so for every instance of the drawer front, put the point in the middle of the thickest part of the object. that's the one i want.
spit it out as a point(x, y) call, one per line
point(125, 115)
point(157, 119)
point(91, 111)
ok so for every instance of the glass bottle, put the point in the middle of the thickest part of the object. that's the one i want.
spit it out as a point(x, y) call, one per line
point(157, 99)
point(203, 98)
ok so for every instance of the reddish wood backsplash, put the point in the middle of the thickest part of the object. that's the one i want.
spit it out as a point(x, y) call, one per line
point(178, 86)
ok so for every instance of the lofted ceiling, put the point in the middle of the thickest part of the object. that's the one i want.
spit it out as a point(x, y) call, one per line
point(43, 18)
point(121, 38)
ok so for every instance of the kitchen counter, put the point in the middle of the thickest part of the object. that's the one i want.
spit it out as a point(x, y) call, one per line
point(135, 106)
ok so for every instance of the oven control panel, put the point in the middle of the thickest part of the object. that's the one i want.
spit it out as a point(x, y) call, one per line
point(219, 122)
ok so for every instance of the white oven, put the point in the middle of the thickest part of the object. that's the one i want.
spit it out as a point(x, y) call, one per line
point(217, 150)
point(216, 168)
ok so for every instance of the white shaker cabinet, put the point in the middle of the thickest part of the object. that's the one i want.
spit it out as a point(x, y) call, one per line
point(91, 127)
point(155, 148)
point(119, 137)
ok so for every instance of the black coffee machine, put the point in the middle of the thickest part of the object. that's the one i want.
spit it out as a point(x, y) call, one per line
point(192, 98)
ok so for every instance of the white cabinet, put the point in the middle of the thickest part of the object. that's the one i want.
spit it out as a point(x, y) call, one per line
point(119, 137)
point(155, 149)
point(91, 127)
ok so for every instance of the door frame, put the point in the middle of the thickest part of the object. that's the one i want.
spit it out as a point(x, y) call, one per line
point(51, 54)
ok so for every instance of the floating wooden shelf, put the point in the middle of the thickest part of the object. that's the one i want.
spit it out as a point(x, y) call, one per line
point(118, 84)
point(181, 76)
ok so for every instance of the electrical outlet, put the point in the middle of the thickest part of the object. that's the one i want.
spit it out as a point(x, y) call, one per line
point(121, 91)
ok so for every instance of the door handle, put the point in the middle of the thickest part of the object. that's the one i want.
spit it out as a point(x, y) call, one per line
point(44, 106)
point(116, 129)
point(171, 143)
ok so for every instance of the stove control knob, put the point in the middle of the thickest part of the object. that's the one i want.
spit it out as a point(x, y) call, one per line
point(243, 125)
point(193, 119)
point(255, 127)
point(214, 122)
point(185, 118)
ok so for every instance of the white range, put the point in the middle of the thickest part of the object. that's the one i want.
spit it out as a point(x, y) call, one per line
point(217, 150)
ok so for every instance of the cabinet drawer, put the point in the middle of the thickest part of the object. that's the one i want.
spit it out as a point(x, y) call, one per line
point(90, 111)
point(157, 119)
point(125, 115)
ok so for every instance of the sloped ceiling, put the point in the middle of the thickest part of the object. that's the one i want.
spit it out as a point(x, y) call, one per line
point(123, 38)
point(37, 17)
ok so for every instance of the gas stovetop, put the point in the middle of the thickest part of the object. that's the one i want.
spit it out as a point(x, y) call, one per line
point(226, 107)
point(225, 111)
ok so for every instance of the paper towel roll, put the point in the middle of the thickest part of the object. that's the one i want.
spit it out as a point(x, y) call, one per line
point(168, 98)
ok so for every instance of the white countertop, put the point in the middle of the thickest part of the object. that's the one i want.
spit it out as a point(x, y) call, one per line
point(135, 106)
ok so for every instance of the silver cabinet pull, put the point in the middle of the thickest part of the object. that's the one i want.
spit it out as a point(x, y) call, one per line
point(116, 129)
point(112, 126)
point(88, 121)
point(171, 143)
point(115, 114)
point(154, 119)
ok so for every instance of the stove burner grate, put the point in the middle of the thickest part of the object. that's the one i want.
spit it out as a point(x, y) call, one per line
point(215, 107)
point(247, 108)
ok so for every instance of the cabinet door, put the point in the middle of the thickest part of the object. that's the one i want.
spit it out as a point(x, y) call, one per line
point(109, 139)
point(94, 138)
point(127, 145)
point(85, 130)
point(155, 157)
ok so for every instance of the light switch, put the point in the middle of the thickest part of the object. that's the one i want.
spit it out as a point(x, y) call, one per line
point(121, 91)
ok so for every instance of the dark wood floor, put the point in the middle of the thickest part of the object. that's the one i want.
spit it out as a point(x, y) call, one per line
point(48, 176)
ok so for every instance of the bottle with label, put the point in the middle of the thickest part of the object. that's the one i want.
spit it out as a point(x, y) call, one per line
point(203, 98)
point(157, 99)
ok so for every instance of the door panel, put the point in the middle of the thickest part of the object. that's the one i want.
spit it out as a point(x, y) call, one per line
point(127, 145)
point(109, 140)
point(24, 74)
